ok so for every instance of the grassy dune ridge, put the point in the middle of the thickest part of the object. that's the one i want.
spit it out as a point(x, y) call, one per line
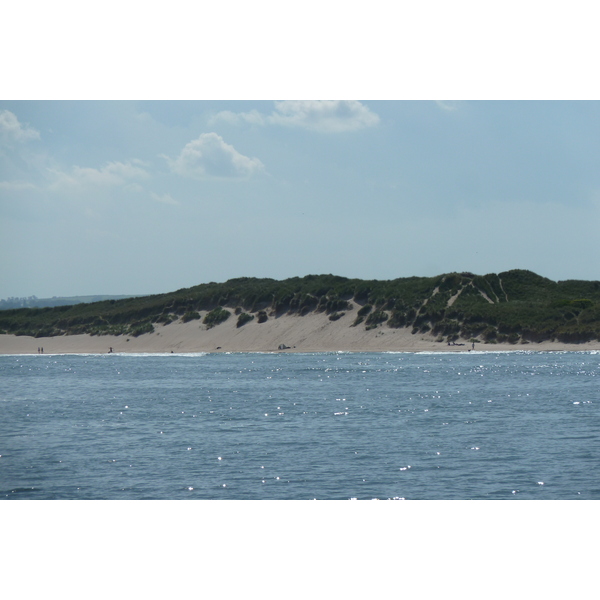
point(512, 306)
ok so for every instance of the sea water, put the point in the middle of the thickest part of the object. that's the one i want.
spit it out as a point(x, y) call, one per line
point(437, 426)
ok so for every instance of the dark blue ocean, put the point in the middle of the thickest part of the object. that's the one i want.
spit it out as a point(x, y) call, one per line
point(513, 426)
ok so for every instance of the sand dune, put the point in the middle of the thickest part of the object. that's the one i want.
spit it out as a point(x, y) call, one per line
point(311, 333)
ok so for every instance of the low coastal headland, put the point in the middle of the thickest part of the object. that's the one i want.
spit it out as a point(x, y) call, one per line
point(513, 310)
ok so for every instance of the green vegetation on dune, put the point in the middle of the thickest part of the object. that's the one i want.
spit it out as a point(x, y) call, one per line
point(216, 316)
point(513, 306)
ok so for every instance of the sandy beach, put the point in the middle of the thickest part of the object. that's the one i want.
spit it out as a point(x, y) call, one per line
point(311, 333)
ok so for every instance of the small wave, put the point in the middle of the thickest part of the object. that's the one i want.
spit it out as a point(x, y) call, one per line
point(159, 354)
point(467, 352)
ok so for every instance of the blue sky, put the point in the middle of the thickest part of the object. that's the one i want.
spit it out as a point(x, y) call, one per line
point(105, 192)
point(138, 197)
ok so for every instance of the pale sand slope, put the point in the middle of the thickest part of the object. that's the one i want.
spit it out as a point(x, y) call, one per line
point(311, 333)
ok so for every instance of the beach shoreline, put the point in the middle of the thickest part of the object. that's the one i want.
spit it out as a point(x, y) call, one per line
point(287, 333)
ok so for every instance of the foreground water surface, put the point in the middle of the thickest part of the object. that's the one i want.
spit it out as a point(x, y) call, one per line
point(515, 425)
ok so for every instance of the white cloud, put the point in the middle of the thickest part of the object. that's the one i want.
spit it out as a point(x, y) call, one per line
point(16, 186)
point(253, 117)
point(329, 116)
point(134, 187)
point(114, 173)
point(447, 105)
point(324, 115)
point(12, 130)
point(164, 198)
point(211, 156)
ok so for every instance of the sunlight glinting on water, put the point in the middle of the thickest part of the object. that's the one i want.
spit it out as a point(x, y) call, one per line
point(339, 426)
